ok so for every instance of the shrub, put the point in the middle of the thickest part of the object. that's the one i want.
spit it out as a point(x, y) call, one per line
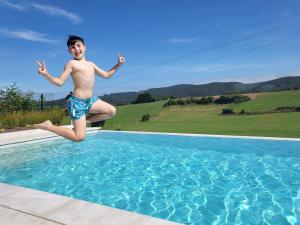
point(240, 98)
point(242, 112)
point(144, 98)
point(223, 100)
point(232, 99)
point(227, 111)
point(21, 119)
point(188, 101)
point(145, 118)
point(206, 100)
point(169, 102)
point(288, 109)
point(180, 101)
point(12, 100)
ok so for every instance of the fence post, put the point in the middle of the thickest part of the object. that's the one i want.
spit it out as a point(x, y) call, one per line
point(42, 102)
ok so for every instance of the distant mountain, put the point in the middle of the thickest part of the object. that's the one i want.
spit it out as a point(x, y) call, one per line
point(215, 88)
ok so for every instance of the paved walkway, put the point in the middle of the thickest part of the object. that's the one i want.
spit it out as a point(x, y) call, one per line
point(23, 206)
point(34, 134)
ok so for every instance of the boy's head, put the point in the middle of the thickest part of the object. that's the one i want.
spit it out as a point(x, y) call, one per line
point(76, 47)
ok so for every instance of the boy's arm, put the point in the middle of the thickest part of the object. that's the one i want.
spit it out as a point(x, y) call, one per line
point(59, 81)
point(109, 73)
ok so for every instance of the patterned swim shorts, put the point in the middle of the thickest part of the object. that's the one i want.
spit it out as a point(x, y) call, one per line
point(77, 107)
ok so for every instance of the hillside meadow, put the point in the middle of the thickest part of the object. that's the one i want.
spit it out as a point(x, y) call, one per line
point(206, 119)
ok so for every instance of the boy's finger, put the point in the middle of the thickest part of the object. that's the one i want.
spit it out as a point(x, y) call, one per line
point(44, 64)
point(38, 63)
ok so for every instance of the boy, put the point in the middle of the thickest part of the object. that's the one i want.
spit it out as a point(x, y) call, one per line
point(81, 101)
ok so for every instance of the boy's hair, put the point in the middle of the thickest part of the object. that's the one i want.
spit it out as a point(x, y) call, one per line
point(72, 40)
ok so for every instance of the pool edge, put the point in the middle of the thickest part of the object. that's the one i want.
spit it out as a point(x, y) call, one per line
point(207, 135)
point(41, 206)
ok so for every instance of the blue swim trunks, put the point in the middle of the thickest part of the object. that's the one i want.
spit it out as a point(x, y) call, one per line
point(77, 107)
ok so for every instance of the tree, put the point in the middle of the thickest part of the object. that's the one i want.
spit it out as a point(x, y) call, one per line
point(12, 100)
point(144, 98)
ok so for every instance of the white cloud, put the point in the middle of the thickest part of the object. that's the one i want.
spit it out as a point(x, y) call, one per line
point(28, 35)
point(180, 40)
point(47, 9)
point(13, 5)
point(56, 11)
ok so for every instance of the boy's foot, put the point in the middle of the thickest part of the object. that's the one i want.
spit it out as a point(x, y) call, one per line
point(44, 126)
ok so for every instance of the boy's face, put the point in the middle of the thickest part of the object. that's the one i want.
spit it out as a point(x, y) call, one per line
point(77, 50)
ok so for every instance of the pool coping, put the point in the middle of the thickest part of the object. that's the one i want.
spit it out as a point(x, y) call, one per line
point(19, 205)
point(19, 137)
point(208, 135)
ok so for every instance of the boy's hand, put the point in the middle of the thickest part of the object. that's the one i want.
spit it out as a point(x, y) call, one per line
point(42, 68)
point(121, 58)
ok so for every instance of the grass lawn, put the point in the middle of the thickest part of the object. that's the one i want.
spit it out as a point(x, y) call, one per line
point(205, 119)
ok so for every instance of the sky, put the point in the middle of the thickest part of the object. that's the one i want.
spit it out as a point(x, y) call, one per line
point(165, 42)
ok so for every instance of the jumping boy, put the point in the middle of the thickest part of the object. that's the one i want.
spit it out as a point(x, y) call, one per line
point(82, 100)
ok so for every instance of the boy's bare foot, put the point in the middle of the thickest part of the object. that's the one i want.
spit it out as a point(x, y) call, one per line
point(44, 126)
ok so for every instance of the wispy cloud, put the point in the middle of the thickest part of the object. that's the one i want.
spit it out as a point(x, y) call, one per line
point(13, 5)
point(56, 11)
point(28, 35)
point(180, 40)
point(47, 9)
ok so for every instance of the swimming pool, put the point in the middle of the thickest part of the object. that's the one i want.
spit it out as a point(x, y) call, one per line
point(187, 179)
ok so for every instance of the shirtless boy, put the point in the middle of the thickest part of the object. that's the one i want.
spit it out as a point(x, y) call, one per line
point(82, 100)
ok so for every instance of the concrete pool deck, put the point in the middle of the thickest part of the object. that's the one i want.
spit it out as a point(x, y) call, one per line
point(26, 206)
point(32, 135)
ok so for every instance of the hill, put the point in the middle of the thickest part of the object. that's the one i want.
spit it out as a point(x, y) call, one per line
point(206, 119)
point(210, 89)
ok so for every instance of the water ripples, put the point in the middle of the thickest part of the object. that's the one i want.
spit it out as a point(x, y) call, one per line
point(188, 180)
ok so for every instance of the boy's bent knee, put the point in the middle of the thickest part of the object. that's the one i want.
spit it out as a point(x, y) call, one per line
point(113, 111)
point(79, 138)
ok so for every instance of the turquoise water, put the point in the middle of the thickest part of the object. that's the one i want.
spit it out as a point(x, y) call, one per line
point(192, 180)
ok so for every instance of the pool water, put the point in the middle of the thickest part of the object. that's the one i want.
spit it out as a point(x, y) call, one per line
point(187, 179)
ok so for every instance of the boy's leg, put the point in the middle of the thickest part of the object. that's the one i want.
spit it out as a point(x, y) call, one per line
point(101, 111)
point(78, 134)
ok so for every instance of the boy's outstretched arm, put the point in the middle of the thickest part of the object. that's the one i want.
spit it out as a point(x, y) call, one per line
point(59, 81)
point(109, 73)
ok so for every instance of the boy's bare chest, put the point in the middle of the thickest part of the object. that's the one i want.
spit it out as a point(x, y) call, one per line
point(85, 68)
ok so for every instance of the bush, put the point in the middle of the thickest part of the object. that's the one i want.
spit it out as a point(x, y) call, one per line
point(288, 109)
point(242, 112)
point(13, 100)
point(144, 98)
point(21, 119)
point(240, 98)
point(169, 102)
point(206, 100)
point(227, 111)
point(231, 99)
point(145, 118)
point(180, 102)
point(223, 100)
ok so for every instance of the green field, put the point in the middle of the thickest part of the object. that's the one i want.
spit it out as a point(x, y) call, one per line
point(205, 119)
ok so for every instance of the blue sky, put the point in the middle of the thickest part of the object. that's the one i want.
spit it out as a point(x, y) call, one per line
point(164, 42)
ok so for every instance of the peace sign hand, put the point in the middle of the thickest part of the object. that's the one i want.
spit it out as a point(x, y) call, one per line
point(42, 68)
point(121, 58)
